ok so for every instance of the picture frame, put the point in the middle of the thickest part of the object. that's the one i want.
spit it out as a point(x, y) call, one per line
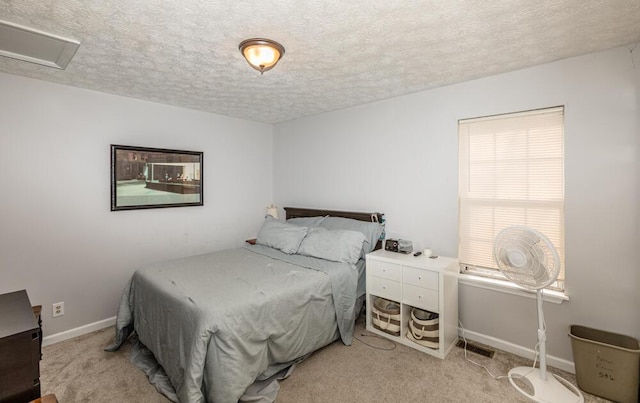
point(145, 177)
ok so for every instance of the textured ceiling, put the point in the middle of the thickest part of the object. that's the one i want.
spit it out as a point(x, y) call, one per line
point(338, 54)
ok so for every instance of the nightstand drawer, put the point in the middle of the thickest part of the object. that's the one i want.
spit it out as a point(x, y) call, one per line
point(420, 278)
point(386, 270)
point(421, 298)
point(383, 287)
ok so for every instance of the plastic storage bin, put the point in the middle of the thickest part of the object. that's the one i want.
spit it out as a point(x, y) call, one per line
point(607, 364)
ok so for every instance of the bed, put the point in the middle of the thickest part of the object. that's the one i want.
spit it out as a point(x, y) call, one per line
point(222, 327)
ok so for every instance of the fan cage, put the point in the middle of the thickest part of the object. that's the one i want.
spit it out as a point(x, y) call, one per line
point(526, 257)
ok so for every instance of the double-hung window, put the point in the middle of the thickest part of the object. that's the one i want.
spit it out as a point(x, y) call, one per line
point(511, 171)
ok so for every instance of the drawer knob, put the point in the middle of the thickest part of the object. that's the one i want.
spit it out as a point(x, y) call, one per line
point(419, 278)
point(384, 287)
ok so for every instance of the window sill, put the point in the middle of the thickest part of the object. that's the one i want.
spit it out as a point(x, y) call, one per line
point(555, 297)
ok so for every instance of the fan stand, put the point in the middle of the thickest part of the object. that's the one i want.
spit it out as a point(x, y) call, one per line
point(547, 389)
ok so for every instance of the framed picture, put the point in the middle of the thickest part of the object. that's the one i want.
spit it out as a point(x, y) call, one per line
point(143, 177)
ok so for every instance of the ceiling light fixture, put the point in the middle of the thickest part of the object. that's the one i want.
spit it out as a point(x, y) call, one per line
point(262, 54)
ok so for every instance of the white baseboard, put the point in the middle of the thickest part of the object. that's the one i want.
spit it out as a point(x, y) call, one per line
point(521, 351)
point(503, 345)
point(78, 331)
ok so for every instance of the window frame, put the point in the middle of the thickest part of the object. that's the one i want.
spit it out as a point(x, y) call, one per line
point(491, 277)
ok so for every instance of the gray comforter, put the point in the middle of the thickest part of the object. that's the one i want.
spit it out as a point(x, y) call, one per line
point(217, 322)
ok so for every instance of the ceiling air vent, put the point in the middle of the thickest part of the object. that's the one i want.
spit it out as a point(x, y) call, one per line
point(31, 45)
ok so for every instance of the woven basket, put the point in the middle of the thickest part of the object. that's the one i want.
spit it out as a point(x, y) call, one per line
point(424, 328)
point(385, 316)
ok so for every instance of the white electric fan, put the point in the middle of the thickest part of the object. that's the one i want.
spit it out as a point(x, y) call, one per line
point(528, 259)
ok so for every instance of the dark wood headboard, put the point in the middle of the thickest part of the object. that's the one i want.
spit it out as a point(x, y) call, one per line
point(296, 212)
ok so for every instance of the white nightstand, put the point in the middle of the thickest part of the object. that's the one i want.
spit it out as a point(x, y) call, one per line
point(420, 282)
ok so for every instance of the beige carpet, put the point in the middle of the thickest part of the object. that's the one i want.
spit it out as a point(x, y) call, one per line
point(78, 370)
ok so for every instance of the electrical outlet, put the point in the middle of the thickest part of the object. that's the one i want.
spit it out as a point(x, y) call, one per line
point(58, 309)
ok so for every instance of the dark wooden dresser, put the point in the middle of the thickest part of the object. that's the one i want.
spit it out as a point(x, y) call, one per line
point(20, 338)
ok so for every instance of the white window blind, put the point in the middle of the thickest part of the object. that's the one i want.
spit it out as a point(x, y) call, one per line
point(511, 173)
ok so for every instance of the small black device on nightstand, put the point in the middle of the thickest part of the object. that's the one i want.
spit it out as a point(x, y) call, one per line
point(398, 245)
point(391, 245)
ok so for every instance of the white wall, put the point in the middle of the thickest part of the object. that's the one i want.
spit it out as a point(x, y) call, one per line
point(399, 157)
point(58, 238)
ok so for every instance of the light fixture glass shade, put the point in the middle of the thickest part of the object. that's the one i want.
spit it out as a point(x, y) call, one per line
point(262, 54)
